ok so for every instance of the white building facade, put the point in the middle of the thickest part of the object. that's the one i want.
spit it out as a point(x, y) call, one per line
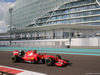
point(54, 19)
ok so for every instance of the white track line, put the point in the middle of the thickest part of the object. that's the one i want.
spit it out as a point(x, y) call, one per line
point(25, 72)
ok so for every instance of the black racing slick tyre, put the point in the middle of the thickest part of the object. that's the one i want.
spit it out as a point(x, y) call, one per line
point(49, 61)
point(58, 57)
point(14, 59)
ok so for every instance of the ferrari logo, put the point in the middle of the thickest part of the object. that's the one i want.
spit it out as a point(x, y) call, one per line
point(28, 58)
point(42, 57)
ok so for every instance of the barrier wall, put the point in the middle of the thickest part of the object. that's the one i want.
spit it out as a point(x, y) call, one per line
point(57, 43)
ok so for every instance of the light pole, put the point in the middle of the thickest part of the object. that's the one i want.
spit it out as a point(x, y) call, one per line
point(10, 10)
point(69, 26)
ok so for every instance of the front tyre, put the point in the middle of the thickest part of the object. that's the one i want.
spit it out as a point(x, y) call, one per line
point(49, 61)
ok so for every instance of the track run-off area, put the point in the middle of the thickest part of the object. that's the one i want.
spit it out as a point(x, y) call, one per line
point(93, 52)
point(82, 61)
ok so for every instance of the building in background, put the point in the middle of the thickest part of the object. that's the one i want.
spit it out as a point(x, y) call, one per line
point(54, 19)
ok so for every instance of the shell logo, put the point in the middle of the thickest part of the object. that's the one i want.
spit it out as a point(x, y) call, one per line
point(32, 58)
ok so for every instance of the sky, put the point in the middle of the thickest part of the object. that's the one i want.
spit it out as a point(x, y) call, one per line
point(10, 0)
point(4, 5)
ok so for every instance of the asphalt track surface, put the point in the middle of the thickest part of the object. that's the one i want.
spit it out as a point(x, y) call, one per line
point(79, 65)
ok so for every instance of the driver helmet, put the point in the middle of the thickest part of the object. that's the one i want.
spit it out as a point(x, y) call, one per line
point(34, 51)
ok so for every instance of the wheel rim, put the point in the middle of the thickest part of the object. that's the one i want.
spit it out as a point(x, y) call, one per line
point(13, 59)
point(48, 62)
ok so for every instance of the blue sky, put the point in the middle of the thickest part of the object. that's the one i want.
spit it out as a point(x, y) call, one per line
point(10, 0)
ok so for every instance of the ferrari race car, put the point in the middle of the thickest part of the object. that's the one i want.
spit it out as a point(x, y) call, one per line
point(34, 57)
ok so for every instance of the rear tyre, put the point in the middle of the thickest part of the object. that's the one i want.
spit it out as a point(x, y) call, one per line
point(49, 61)
point(58, 57)
point(14, 59)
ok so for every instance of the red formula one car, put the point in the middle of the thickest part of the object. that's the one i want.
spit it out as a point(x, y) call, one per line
point(34, 57)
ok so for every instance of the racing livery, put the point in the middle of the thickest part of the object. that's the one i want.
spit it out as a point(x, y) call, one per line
point(34, 57)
